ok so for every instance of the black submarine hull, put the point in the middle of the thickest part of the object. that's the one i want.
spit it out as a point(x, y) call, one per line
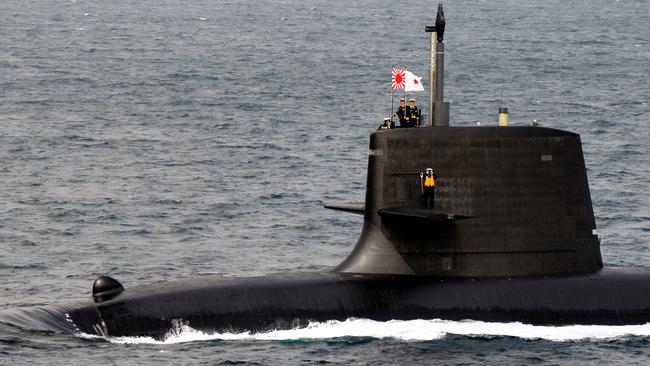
point(256, 304)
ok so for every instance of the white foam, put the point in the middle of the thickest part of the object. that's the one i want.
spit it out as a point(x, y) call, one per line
point(411, 330)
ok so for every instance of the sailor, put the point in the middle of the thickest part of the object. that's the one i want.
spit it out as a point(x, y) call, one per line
point(412, 114)
point(386, 125)
point(400, 113)
point(428, 185)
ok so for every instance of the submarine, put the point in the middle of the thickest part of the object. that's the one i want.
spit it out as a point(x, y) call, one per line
point(511, 238)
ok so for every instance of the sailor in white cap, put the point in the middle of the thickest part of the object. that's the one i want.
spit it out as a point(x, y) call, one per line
point(412, 114)
point(385, 125)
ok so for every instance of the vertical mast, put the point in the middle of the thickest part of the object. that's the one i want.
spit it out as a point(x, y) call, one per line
point(438, 108)
point(432, 71)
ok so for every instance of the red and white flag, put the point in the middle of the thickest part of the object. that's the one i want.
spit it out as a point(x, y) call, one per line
point(412, 82)
point(398, 79)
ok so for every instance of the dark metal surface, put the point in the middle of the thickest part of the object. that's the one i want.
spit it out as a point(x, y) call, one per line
point(409, 213)
point(356, 208)
point(526, 185)
point(105, 288)
point(284, 301)
point(440, 23)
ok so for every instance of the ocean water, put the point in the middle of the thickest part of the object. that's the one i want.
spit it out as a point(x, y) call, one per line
point(159, 140)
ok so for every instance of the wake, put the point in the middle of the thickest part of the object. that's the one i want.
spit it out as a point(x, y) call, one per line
point(405, 330)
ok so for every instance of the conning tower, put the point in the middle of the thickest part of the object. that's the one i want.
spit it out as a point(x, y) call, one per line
point(510, 201)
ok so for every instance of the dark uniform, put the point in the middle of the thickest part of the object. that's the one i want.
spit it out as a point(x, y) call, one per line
point(400, 115)
point(412, 117)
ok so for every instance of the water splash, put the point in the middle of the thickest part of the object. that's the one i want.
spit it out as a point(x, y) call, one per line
point(409, 330)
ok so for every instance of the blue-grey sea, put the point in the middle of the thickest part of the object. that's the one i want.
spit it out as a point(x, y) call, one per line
point(158, 140)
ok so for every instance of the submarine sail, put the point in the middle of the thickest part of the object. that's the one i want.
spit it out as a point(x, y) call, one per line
point(509, 201)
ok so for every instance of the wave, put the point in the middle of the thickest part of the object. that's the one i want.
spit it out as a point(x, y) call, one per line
point(404, 330)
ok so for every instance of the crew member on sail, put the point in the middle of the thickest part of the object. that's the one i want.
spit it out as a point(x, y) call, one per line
point(412, 118)
point(401, 113)
point(428, 186)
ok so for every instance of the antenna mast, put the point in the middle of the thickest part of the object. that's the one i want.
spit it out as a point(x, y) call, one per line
point(438, 109)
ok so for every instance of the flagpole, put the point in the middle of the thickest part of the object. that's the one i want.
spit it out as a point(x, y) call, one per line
point(391, 106)
point(391, 95)
point(405, 102)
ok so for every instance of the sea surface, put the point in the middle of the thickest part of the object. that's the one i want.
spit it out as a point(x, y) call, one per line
point(159, 140)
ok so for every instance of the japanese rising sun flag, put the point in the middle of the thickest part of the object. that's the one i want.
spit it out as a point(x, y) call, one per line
point(412, 82)
point(398, 79)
